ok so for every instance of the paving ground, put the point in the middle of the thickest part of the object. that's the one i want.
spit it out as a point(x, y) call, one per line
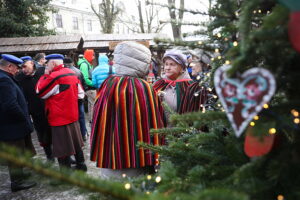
point(46, 190)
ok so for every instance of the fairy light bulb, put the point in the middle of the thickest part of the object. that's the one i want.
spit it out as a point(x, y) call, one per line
point(272, 131)
point(280, 197)
point(219, 35)
point(296, 120)
point(227, 62)
point(236, 14)
point(209, 89)
point(147, 192)
point(212, 59)
point(252, 124)
point(123, 175)
point(127, 186)
point(259, 11)
point(254, 11)
point(295, 113)
point(200, 42)
point(157, 179)
point(266, 106)
point(149, 177)
point(235, 43)
point(256, 117)
point(217, 50)
point(219, 57)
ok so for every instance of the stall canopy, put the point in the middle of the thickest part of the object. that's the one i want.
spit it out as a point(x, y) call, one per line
point(75, 43)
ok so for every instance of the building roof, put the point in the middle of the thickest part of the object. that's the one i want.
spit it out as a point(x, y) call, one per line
point(40, 44)
point(63, 43)
point(103, 40)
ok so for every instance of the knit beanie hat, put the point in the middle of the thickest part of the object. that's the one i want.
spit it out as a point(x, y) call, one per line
point(89, 55)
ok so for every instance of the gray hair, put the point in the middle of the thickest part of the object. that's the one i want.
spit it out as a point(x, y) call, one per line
point(4, 63)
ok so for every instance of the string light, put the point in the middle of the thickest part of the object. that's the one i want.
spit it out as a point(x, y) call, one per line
point(252, 124)
point(208, 74)
point(256, 117)
point(203, 111)
point(209, 89)
point(226, 39)
point(219, 57)
point(219, 105)
point(147, 192)
point(268, 12)
point(266, 106)
point(187, 144)
point(280, 197)
point(212, 59)
point(227, 62)
point(123, 175)
point(236, 14)
point(219, 35)
point(259, 11)
point(149, 177)
point(296, 120)
point(254, 11)
point(158, 179)
point(127, 186)
point(200, 42)
point(272, 131)
point(215, 96)
point(235, 43)
point(295, 113)
point(217, 50)
point(196, 94)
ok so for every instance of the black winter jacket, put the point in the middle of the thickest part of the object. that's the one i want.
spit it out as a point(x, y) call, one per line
point(15, 122)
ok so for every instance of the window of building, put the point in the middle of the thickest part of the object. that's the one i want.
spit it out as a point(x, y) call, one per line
point(58, 19)
point(75, 23)
point(89, 25)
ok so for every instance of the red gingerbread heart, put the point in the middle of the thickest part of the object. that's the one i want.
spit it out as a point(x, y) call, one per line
point(243, 97)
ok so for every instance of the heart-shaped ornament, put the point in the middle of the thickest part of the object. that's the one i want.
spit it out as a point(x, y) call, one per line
point(244, 97)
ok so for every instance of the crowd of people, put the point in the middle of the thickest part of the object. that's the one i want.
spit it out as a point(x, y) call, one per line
point(46, 94)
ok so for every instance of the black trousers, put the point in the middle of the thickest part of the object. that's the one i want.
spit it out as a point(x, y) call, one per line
point(15, 172)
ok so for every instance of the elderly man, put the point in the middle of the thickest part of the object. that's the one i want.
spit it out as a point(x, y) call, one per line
point(28, 78)
point(61, 88)
point(15, 124)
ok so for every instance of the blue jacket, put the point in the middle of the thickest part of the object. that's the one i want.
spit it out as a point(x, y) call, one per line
point(101, 72)
point(15, 122)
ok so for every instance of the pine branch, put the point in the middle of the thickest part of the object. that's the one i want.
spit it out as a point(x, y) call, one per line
point(77, 178)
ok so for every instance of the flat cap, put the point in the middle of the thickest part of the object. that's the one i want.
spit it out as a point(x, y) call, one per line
point(54, 56)
point(26, 58)
point(177, 56)
point(12, 59)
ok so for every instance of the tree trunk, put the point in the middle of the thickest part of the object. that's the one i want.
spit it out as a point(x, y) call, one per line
point(176, 22)
point(141, 17)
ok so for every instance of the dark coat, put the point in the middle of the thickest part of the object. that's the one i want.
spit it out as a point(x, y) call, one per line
point(36, 105)
point(15, 122)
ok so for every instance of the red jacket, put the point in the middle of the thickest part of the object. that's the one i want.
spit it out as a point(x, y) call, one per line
point(61, 89)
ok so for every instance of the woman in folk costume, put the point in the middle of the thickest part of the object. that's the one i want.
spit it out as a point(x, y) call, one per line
point(173, 86)
point(126, 108)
